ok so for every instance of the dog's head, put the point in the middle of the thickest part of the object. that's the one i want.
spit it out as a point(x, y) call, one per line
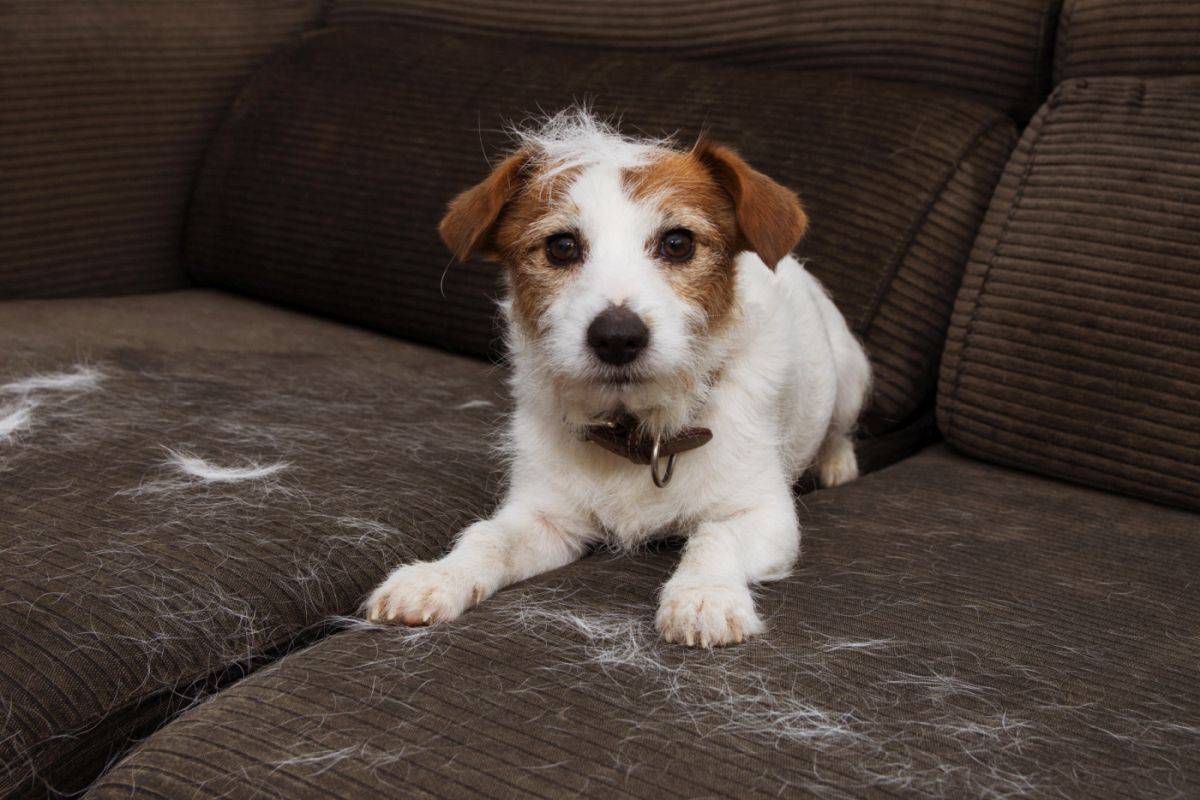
point(621, 257)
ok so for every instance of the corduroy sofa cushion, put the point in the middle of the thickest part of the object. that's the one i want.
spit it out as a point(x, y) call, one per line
point(105, 110)
point(1075, 343)
point(324, 187)
point(128, 587)
point(954, 630)
point(997, 50)
point(1147, 37)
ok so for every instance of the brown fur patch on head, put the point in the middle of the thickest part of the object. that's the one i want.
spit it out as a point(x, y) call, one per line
point(769, 216)
point(686, 196)
point(507, 217)
point(541, 209)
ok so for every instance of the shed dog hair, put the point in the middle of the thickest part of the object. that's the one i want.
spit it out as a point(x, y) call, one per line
point(650, 292)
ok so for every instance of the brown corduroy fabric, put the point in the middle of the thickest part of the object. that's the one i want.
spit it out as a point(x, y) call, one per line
point(128, 588)
point(132, 590)
point(996, 50)
point(954, 630)
point(105, 110)
point(1075, 343)
point(328, 199)
point(1148, 37)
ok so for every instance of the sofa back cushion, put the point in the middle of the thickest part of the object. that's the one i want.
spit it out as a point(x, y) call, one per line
point(1147, 37)
point(1074, 348)
point(324, 187)
point(997, 50)
point(105, 111)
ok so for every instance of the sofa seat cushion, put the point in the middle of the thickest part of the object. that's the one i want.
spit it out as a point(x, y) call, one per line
point(207, 482)
point(954, 629)
point(1074, 348)
point(328, 199)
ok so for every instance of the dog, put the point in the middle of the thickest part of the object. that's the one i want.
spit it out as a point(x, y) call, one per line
point(674, 369)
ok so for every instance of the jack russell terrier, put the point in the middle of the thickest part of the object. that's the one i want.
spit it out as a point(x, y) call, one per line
point(675, 371)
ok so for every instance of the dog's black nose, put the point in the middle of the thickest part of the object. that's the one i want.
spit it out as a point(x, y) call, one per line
point(617, 335)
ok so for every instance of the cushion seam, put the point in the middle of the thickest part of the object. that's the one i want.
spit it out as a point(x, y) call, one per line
point(1064, 25)
point(1044, 77)
point(201, 685)
point(960, 366)
point(904, 247)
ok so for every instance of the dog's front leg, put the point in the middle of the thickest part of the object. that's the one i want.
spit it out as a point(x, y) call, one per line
point(707, 602)
point(520, 541)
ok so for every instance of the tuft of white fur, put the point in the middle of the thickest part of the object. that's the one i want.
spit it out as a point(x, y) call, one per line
point(731, 696)
point(575, 138)
point(15, 418)
point(473, 404)
point(81, 379)
point(196, 467)
point(18, 416)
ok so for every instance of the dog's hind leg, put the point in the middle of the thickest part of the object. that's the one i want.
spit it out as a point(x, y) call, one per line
point(836, 461)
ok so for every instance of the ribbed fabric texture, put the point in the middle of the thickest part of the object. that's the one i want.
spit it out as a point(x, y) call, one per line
point(105, 110)
point(1147, 37)
point(904, 323)
point(128, 588)
point(1075, 343)
point(329, 199)
point(997, 50)
point(954, 630)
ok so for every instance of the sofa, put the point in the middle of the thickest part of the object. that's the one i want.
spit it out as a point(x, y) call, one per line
point(241, 380)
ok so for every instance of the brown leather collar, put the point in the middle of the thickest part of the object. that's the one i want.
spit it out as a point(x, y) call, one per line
point(621, 436)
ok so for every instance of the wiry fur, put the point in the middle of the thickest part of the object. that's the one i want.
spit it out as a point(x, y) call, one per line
point(574, 139)
point(82, 378)
point(200, 469)
point(755, 351)
point(15, 418)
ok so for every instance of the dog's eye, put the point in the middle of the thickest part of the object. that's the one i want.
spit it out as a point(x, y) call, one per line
point(677, 245)
point(562, 249)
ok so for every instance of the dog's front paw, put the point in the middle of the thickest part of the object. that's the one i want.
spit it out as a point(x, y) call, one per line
point(422, 594)
point(707, 615)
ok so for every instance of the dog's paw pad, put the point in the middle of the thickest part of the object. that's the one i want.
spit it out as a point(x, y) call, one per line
point(422, 594)
point(707, 616)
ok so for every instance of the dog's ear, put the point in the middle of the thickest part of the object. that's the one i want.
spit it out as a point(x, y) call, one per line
point(769, 217)
point(469, 225)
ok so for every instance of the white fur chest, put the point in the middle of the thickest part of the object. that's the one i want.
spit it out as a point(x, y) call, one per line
point(629, 509)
